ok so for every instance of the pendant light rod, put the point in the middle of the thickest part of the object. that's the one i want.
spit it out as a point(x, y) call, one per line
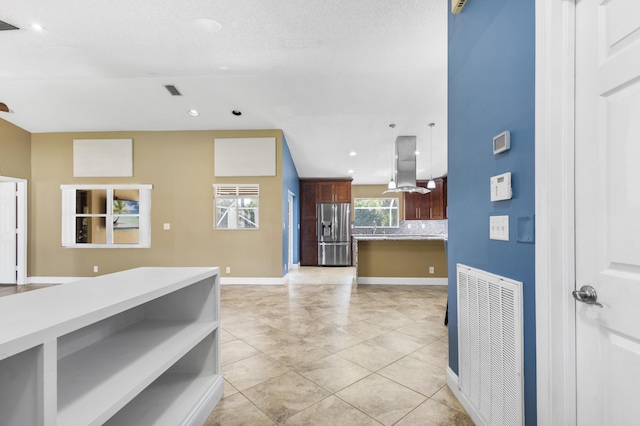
point(392, 182)
point(431, 184)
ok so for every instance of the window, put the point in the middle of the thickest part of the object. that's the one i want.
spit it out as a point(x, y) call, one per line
point(106, 216)
point(380, 212)
point(236, 206)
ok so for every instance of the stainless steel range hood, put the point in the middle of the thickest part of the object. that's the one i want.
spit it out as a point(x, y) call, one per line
point(405, 166)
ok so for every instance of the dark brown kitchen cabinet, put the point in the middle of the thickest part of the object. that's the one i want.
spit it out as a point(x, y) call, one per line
point(312, 192)
point(416, 205)
point(334, 192)
point(438, 202)
point(429, 206)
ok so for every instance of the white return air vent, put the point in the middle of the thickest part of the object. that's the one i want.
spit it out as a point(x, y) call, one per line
point(457, 5)
point(490, 348)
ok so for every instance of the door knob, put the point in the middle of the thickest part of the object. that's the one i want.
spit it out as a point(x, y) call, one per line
point(588, 295)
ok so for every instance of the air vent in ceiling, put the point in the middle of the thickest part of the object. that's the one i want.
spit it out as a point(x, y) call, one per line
point(457, 5)
point(172, 89)
point(6, 27)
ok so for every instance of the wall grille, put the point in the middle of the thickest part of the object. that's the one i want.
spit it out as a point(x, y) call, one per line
point(490, 348)
point(457, 5)
point(5, 26)
point(173, 90)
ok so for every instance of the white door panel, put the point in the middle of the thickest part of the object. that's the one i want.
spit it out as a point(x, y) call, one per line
point(8, 241)
point(608, 210)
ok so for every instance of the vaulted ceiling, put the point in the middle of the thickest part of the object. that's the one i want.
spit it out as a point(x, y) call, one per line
point(332, 74)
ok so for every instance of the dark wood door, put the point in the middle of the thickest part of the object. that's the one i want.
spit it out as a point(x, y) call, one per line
point(308, 200)
point(308, 221)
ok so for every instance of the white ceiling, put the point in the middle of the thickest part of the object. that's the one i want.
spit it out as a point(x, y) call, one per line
point(332, 74)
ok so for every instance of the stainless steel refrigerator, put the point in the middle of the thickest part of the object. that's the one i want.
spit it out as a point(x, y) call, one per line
point(334, 245)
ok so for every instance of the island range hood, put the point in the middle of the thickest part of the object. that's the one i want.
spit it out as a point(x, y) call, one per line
point(404, 174)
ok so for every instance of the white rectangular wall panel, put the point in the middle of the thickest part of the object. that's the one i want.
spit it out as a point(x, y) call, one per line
point(102, 157)
point(245, 157)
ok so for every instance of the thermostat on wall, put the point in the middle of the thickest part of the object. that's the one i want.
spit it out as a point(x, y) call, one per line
point(501, 142)
point(501, 187)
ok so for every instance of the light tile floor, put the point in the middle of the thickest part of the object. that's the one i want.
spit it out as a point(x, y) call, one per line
point(319, 351)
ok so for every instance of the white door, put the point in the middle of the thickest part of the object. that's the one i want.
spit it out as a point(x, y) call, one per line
point(8, 236)
point(608, 210)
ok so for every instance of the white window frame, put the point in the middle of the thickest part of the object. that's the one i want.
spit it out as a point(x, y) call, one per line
point(69, 215)
point(237, 192)
point(380, 208)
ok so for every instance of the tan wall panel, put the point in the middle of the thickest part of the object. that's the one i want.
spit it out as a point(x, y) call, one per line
point(401, 259)
point(376, 191)
point(179, 165)
point(15, 151)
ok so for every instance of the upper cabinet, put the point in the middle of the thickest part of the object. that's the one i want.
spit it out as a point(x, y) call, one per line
point(416, 205)
point(430, 206)
point(438, 202)
point(334, 192)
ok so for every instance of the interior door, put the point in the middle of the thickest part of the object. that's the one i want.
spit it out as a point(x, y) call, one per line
point(608, 210)
point(8, 236)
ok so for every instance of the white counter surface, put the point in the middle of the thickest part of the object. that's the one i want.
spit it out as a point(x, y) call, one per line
point(27, 319)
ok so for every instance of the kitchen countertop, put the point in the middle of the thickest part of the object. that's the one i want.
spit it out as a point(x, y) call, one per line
point(399, 237)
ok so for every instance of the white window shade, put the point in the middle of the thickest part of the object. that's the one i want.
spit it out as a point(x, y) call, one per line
point(235, 191)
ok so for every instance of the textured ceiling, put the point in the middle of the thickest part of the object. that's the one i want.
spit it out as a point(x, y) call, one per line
point(331, 74)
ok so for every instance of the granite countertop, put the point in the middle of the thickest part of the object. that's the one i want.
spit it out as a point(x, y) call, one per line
point(399, 237)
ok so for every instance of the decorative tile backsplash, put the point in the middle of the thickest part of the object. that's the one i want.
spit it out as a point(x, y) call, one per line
point(429, 227)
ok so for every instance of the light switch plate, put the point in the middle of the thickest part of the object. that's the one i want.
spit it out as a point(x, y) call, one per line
point(166, 226)
point(499, 228)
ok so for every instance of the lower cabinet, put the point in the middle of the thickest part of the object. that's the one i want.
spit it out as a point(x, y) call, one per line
point(138, 347)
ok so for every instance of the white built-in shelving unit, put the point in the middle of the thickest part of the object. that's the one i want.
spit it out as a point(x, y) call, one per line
point(138, 347)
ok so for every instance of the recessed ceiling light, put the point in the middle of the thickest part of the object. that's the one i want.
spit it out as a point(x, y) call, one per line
point(37, 27)
point(236, 112)
point(206, 25)
point(417, 152)
point(193, 113)
point(350, 172)
point(353, 153)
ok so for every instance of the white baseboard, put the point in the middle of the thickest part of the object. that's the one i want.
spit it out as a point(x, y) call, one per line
point(452, 382)
point(253, 280)
point(403, 281)
point(53, 280)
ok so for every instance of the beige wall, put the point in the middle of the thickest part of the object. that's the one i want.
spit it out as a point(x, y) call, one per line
point(376, 191)
point(15, 151)
point(401, 259)
point(179, 165)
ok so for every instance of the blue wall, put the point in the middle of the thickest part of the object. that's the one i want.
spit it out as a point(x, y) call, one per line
point(290, 182)
point(491, 89)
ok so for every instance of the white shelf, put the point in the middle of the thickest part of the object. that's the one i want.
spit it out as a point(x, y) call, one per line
point(166, 401)
point(137, 345)
point(95, 382)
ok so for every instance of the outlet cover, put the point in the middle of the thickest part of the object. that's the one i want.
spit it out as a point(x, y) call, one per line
point(166, 226)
